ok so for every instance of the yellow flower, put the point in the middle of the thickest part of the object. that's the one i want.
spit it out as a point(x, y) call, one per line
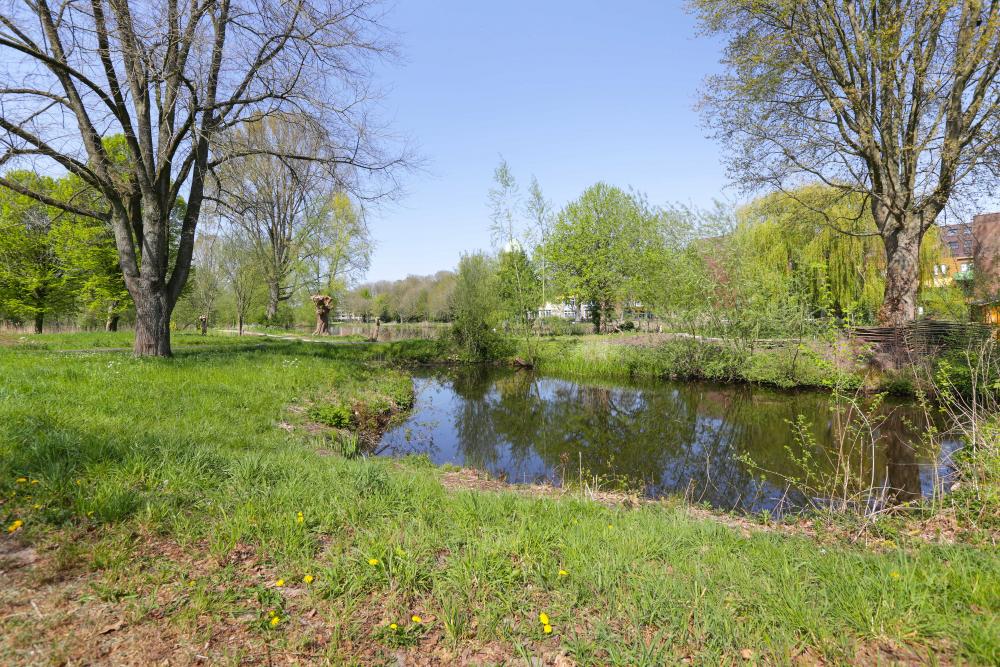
point(308, 578)
point(543, 618)
point(22, 480)
point(610, 526)
point(894, 574)
point(34, 481)
point(279, 583)
point(14, 527)
point(547, 629)
point(393, 626)
point(299, 518)
point(274, 621)
point(416, 619)
point(37, 506)
point(563, 573)
point(270, 613)
point(373, 561)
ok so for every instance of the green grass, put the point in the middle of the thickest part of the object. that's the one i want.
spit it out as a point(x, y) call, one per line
point(601, 357)
point(133, 454)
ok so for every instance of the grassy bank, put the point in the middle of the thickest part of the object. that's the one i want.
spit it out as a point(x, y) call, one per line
point(812, 364)
point(176, 508)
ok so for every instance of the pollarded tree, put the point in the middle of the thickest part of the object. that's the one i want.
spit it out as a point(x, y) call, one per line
point(172, 78)
point(602, 248)
point(895, 102)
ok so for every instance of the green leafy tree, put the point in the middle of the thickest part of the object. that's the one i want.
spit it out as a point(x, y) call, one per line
point(474, 307)
point(519, 289)
point(602, 249)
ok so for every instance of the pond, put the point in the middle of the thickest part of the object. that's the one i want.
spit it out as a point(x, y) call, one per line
point(735, 447)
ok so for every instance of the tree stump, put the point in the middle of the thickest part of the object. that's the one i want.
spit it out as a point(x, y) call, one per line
point(323, 307)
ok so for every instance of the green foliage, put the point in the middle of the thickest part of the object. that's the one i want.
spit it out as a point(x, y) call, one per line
point(601, 247)
point(519, 288)
point(337, 416)
point(474, 307)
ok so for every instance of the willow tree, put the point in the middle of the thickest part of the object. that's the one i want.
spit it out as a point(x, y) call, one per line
point(788, 238)
point(172, 78)
point(897, 103)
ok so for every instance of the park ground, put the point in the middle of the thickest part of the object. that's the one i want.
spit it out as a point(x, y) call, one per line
point(212, 508)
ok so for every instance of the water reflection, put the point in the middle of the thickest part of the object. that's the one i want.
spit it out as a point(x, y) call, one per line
point(734, 447)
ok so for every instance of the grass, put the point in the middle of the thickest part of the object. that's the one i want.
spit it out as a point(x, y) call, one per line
point(807, 365)
point(163, 496)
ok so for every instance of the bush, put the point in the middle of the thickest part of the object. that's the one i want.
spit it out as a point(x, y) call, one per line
point(337, 416)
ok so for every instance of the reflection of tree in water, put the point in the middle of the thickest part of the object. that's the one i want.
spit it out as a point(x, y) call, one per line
point(669, 437)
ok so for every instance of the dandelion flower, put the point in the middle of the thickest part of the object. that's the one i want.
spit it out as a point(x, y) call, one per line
point(894, 574)
point(393, 626)
point(279, 583)
point(34, 481)
point(308, 578)
point(373, 561)
point(563, 573)
point(547, 629)
point(416, 619)
point(14, 527)
point(543, 618)
point(299, 518)
point(275, 620)
point(37, 506)
point(22, 480)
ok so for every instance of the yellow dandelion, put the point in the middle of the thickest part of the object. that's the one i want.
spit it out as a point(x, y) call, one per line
point(274, 621)
point(308, 578)
point(393, 626)
point(543, 618)
point(894, 574)
point(34, 481)
point(563, 573)
point(22, 480)
point(373, 561)
point(14, 527)
point(279, 583)
point(547, 629)
point(299, 518)
point(37, 506)
point(416, 619)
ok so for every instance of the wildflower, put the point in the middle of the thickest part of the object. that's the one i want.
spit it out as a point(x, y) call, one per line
point(271, 613)
point(393, 626)
point(894, 574)
point(34, 481)
point(543, 618)
point(14, 527)
point(610, 526)
point(279, 583)
point(373, 561)
point(416, 619)
point(299, 518)
point(275, 620)
point(308, 578)
point(547, 629)
point(563, 573)
point(37, 506)
point(22, 480)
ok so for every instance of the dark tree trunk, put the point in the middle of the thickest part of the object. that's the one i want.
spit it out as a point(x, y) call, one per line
point(152, 325)
point(902, 276)
point(239, 324)
point(39, 320)
point(111, 323)
point(595, 317)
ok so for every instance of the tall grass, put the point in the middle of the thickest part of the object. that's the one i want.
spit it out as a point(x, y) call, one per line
point(196, 451)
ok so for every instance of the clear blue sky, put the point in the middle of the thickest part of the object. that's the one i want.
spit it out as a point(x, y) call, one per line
point(572, 92)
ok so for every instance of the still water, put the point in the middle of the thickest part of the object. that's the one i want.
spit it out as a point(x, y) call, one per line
point(734, 447)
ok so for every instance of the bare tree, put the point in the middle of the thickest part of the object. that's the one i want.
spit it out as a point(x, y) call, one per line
point(897, 101)
point(173, 78)
point(237, 263)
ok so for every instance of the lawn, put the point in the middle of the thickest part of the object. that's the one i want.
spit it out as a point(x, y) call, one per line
point(191, 509)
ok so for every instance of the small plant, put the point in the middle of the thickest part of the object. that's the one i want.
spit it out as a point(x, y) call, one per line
point(337, 416)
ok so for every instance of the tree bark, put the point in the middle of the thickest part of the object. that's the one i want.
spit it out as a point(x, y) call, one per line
point(152, 324)
point(239, 324)
point(273, 298)
point(111, 323)
point(323, 307)
point(39, 320)
point(902, 276)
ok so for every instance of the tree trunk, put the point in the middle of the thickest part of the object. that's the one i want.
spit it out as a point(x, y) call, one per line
point(203, 324)
point(595, 316)
point(273, 297)
point(323, 308)
point(902, 276)
point(152, 325)
point(239, 324)
point(111, 323)
point(39, 320)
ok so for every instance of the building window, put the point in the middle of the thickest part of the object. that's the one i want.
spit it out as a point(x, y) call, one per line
point(964, 267)
point(968, 247)
point(953, 246)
